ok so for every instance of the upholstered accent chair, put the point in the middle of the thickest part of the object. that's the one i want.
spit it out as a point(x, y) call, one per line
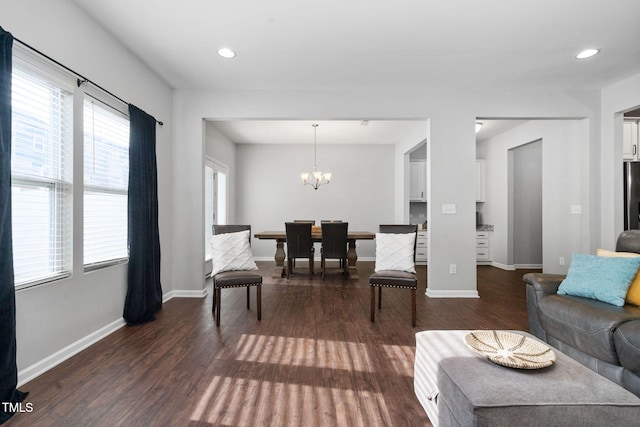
point(334, 245)
point(392, 274)
point(299, 244)
point(235, 278)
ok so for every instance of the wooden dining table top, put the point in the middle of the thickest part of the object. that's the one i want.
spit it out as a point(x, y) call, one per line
point(315, 235)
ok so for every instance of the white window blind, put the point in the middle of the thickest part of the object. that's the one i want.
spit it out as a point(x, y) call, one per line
point(41, 171)
point(106, 178)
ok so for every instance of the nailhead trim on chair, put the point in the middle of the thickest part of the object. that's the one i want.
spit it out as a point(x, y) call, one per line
point(393, 286)
point(240, 285)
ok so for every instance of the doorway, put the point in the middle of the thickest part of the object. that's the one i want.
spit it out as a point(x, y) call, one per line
point(215, 198)
point(525, 205)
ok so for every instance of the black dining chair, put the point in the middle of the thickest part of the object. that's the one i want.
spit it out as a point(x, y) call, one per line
point(395, 278)
point(299, 244)
point(334, 245)
point(235, 279)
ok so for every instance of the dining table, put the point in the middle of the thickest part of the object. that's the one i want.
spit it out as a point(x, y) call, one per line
point(280, 237)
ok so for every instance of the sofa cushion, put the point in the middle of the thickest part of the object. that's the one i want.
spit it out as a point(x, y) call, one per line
point(585, 324)
point(600, 278)
point(627, 343)
point(633, 294)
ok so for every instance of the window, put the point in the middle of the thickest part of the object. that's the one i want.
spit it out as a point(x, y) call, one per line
point(41, 171)
point(106, 179)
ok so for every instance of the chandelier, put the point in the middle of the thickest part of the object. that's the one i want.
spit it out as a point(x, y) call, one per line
point(316, 178)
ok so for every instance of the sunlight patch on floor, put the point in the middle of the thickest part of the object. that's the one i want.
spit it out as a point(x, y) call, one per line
point(401, 358)
point(237, 401)
point(310, 352)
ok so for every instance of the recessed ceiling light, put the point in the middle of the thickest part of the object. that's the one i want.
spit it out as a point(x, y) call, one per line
point(225, 52)
point(587, 53)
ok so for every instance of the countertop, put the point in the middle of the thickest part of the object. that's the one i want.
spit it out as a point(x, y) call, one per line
point(481, 227)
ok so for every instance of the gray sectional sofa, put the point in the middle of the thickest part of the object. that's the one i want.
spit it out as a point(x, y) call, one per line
point(601, 336)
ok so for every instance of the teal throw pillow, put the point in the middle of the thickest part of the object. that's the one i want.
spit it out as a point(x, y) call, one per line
point(600, 278)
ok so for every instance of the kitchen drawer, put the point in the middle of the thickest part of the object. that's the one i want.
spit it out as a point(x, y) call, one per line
point(482, 243)
point(482, 234)
point(482, 254)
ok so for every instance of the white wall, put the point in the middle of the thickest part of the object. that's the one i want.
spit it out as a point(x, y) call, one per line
point(565, 176)
point(52, 317)
point(451, 117)
point(270, 191)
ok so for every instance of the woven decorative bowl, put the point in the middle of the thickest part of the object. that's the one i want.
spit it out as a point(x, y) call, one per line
point(510, 349)
point(316, 229)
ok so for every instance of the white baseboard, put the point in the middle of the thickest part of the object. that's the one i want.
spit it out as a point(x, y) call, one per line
point(184, 294)
point(451, 294)
point(516, 266)
point(528, 266)
point(31, 372)
point(503, 266)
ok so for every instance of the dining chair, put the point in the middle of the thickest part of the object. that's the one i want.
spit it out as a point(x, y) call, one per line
point(235, 279)
point(332, 220)
point(392, 277)
point(313, 223)
point(299, 244)
point(334, 245)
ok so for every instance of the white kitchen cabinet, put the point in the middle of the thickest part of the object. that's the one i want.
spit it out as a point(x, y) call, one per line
point(482, 246)
point(630, 141)
point(480, 180)
point(422, 247)
point(418, 182)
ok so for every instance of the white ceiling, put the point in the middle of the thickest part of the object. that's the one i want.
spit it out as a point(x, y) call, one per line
point(296, 44)
point(359, 44)
point(328, 131)
point(339, 131)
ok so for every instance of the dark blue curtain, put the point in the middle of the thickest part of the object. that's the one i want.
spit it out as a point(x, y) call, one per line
point(144, 292)
point(8, 367)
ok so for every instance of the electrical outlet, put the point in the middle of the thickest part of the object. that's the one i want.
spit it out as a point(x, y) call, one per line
point(561, 260)
point(453, 268)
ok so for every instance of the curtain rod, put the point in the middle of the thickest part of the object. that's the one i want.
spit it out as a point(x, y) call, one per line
point(81, 80)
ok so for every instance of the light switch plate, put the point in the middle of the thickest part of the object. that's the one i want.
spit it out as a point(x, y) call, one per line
point(449, 209)
point(576, 209)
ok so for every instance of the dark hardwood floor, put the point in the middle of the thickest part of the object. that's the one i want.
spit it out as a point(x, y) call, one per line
point(314, 359)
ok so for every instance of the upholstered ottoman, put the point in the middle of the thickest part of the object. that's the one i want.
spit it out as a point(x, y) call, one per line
point(458, 387)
